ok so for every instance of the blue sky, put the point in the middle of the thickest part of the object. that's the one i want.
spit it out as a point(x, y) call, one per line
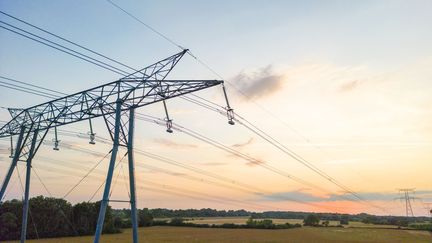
point(349, 77)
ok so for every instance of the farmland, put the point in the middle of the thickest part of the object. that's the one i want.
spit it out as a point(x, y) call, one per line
point(242, 220)
point(304, 234)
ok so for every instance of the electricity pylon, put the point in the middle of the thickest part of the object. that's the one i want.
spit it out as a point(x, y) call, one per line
point(428, 207)
point(116, 103)
point(407, 197)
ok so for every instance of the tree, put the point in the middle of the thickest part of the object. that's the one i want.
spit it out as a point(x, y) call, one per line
point(51, 215)
point(8, 225)
point(326, 223)
point(250, 222)
point(10, 212)
point(145, 218)
point(177, 221)
point(85, 217)
point(311, 220)
point(344, 220)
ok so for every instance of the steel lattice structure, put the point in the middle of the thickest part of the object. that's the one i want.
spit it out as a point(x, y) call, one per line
point(116, 103)
point(133, 91)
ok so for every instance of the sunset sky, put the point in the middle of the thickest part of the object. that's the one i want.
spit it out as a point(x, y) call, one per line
point(345, 84)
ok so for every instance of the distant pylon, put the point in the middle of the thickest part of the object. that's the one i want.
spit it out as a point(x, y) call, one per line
point(428, 207)
point(407, 197)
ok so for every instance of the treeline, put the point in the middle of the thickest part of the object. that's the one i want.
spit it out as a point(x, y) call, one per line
point(390, 220)
point(193, 213)
point(207, 212)
point(249, 224)
point(53, 217)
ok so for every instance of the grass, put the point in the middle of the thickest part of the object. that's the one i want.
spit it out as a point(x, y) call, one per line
point(237, 220)
point(304, 234)
point(242, 220)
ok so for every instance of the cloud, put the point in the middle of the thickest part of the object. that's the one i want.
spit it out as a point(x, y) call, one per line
point(177, 174)
point(215, 163)
point(349, 86)
point(76, 147)
point(244, 144)
point(171, 144)
point(250, 162)
point(255, 162)
point(368, 196)
point(294, 195)
point(260, 83)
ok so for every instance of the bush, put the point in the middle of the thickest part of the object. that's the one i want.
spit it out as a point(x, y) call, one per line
point(145, 218)
point(54, 217)
point(177, 222)
point(422, 226)
point(311, 220)
point(344, 220)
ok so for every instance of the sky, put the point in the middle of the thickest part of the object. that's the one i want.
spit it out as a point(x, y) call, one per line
point(344, 84)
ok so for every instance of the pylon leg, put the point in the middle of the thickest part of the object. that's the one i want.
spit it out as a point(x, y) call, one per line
point(13, 164)
point(27, 188)
point(105, 198)
point(132, 175)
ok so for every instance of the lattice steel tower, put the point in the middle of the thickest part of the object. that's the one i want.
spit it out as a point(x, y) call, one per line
point(116, 103)
point(408, 198)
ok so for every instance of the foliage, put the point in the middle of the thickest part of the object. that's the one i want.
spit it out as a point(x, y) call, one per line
point(193, 213)
point(250, 224)
point(344, 220)
point(52, 217)
point(145, 218)
point(207, 212)
point(325, 223)
point(398, 221)
point(177, 221)
point(260, 224)
point(422, 226)
point(311, 220)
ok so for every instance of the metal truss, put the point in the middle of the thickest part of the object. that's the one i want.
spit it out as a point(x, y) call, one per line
point(116, 103)
point(141, 88)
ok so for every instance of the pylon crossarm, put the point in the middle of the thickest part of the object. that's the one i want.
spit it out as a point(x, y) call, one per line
point(132, 90)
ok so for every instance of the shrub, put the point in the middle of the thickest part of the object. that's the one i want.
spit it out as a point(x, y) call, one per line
point(311, 220)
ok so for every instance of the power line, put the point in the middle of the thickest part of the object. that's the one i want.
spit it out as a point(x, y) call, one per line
point(253, 128)
point(272, 169)
point(291, 153)
point(22, 87)
point(85, 176)
point(252, 189)
point(206, 66)
point(26, 91)
point(408, 198)
point(42, 41)
point(249, 158)
point(255, 161)
point(68, 41)
point(218, 198)
point(182, 190)
point(32, 85)
point(31, 216)
point(10, 188)
point(58, 207)
point(223, 147)
point(146, 25)
point(115, 167)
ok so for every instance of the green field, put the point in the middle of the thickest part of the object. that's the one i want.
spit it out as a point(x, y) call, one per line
point(242, 220)
point(304, 234)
